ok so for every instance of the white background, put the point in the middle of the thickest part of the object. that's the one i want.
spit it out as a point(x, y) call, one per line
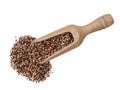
point(95, 65)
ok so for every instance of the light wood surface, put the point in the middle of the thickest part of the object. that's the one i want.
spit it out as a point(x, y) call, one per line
point(79, 33)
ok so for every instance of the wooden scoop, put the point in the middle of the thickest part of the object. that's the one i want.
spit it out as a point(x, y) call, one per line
point(78, 32)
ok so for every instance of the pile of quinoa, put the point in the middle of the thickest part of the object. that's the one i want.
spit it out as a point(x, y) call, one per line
point(27, 55)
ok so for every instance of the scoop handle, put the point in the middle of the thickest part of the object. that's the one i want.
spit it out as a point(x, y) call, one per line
point(98, 24)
